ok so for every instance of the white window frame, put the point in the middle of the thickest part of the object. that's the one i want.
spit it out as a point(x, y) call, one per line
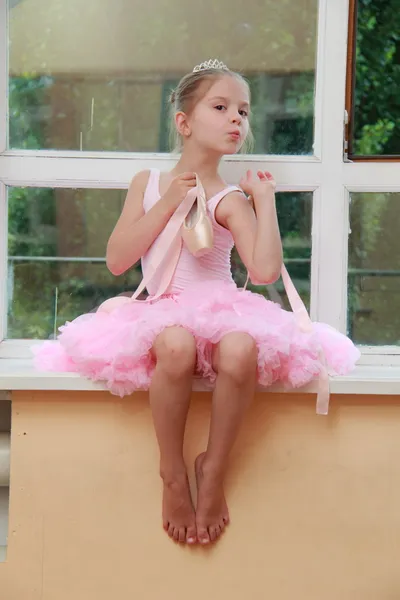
point(325, 174)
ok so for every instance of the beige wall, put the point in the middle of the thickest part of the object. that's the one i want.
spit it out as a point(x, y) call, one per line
point(314, 503)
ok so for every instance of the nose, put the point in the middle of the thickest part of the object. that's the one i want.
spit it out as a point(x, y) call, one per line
point(236, 117)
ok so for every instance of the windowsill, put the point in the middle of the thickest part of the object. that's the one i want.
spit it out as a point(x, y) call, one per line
point(19, 374)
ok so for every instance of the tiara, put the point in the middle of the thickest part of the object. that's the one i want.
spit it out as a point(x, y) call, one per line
point(210, 64)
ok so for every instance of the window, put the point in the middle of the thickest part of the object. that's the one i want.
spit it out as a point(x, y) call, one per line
point(374, 269)
point(56, 247)
point(96, 76)
point(374, 79)
point(56, 264)
point(87, 92)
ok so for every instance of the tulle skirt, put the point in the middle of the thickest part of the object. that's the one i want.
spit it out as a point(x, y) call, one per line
point(115, 348)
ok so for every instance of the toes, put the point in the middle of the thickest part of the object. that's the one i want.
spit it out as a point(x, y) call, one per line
point(221, 524)
point(180, 534)
point(171, 530)
point(218, 530)
point(191, 536)
point(213, 533)
point(203, 536)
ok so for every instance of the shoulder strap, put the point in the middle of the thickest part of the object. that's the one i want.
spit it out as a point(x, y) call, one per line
point(215, 200)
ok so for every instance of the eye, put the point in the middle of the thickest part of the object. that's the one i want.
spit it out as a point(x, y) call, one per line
point(220, 106)
point(243, 113)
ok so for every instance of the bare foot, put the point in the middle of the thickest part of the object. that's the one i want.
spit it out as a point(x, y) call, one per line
point(212, 511)
point(179, 519)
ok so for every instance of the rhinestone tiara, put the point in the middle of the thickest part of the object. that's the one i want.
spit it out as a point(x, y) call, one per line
point(210, 64)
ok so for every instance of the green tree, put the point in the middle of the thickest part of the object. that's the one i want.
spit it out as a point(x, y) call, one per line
point(377, 98)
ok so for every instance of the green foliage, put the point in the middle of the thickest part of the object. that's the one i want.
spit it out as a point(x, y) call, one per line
point(27, 101)
point(375, 137)
point(376, 132)
point(28, 207)
point(377, 98)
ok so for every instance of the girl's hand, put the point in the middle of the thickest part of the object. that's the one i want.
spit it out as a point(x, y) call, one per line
point(178, 189)
point(265, 184)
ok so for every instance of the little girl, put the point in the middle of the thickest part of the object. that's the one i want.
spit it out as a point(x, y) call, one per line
point(203, 324)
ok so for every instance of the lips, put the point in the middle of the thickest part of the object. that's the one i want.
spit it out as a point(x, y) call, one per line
point(235, 134)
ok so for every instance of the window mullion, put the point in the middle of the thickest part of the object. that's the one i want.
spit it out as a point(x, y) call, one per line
point(3, 75)
point(330, 226)
point(330, 241)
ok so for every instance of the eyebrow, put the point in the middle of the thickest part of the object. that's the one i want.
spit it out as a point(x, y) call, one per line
point(243, 102)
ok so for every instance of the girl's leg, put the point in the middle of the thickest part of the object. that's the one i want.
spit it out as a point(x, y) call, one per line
point(235, 361)
point(170, 389)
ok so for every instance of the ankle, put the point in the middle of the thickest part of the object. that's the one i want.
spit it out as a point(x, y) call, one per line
point(175, 474)
point(212, 468)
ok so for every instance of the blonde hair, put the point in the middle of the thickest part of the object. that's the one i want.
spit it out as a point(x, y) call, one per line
point(188, 93)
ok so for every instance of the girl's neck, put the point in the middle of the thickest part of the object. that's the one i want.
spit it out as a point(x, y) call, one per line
point(204, 163)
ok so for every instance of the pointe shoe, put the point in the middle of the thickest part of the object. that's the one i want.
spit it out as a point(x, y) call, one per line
point(197, 230)
point(112, 303)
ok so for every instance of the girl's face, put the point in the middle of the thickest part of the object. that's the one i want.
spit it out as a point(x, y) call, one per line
point(219, 121)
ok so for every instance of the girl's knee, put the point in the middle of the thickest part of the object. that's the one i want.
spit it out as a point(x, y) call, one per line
point(237, 356)
point(175, 351)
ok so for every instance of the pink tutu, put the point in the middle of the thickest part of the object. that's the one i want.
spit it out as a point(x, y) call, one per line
point(115, 347)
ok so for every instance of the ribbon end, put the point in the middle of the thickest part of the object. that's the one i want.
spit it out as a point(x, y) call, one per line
point(323, 394)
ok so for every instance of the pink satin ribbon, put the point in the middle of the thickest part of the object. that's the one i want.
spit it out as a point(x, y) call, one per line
point(163, 256)
point(305, 324)
point(165, 250)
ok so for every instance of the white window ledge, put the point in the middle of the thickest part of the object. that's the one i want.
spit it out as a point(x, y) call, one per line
point(19, 374)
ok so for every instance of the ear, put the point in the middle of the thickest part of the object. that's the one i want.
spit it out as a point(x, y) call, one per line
point(182, 124)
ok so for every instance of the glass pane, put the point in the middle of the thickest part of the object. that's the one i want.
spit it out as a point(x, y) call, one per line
point(56, 247)
point(374, 269)
point(376, 98)
point(295, 217)
point(56, 266)
point(96, 75)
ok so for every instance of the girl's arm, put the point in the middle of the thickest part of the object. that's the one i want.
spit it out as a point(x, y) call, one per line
point(255, 232)
point(136, 230)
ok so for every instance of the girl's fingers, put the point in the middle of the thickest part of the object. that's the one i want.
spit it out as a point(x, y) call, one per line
point(265, 175)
